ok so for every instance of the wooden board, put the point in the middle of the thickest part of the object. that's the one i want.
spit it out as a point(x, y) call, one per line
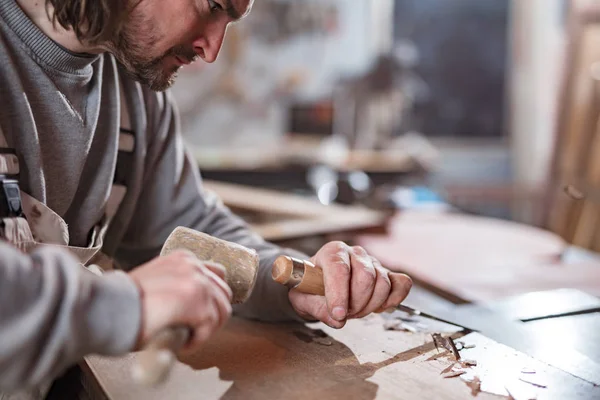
point(478, 259)
point(298, 216)
point(249, 360)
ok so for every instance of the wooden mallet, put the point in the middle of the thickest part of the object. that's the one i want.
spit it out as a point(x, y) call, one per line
point(241, 264)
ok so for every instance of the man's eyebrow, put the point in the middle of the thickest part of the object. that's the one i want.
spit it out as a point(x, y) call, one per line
point(235, 14)
point(231, 11)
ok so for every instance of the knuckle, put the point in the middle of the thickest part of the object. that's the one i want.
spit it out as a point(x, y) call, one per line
point(369, 271)
point(337, 246)
point(359, 251)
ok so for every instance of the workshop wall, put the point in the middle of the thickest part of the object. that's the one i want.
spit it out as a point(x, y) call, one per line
point(284, 50)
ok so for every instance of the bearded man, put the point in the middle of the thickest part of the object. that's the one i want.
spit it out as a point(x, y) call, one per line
point(92, 162)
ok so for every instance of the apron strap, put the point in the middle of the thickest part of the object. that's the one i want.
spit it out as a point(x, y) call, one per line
point(124, 159)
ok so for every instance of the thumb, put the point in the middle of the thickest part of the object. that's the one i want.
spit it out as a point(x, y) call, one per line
point(309, 306)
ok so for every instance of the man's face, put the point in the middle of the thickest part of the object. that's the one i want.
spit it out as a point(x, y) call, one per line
point(159, 36)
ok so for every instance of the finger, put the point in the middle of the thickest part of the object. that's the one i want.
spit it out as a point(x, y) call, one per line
point(215, 267)
point(203, 328)
point(401, 285)
point(222, 303)
point(335, 262)
point(362, 282)
point(215, 279)
point(383, 287)
point(313, 307)
point(184, 254)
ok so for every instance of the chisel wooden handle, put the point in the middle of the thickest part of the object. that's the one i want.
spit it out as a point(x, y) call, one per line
point(304, 276)
point(301, 275)
point(157, 357)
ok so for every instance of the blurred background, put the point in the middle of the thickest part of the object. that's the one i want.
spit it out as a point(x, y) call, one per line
point(457, 141)
point(389, 105)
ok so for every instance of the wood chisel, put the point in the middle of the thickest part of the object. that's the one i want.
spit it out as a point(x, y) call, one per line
point(303, 275)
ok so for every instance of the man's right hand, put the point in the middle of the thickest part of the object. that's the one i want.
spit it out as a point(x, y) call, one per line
point(178, 289)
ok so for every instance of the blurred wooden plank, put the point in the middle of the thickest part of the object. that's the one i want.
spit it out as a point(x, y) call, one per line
point(577, 128)
point(477, 259)
point(299, 216)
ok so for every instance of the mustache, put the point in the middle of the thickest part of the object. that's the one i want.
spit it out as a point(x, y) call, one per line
point(186, 53)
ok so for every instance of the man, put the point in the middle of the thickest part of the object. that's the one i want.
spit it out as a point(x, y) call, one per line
point(84, 113)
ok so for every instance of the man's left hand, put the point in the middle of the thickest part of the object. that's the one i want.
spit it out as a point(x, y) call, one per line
point(356, 285)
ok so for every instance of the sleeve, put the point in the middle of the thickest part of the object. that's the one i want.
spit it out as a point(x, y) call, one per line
point(53, 312)
point(173, 195)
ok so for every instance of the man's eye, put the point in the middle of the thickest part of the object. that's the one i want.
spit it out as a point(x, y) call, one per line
point(214, 6)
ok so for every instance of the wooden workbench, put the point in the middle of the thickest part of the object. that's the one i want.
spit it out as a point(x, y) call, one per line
point(250, 360)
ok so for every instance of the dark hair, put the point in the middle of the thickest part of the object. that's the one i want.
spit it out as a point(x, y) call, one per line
point(91, 20)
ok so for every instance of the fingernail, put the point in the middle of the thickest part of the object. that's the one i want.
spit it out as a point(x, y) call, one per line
point(339, 313)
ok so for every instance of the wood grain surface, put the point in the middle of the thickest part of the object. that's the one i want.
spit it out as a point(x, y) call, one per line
point(250, 360)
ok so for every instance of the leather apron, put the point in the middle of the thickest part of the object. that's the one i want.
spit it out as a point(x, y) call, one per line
point(31, 225)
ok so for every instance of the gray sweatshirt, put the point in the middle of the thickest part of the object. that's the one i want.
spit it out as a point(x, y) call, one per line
point(60, 111)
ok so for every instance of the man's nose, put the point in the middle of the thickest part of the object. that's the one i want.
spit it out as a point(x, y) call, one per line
point(208, 45)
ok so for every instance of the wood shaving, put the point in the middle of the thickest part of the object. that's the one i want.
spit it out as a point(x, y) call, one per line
point(454, 374)
point(528, 371)
point(468, 363)
point(446, 343)
point(475, 385)
point(573, 193)
point(469, 346)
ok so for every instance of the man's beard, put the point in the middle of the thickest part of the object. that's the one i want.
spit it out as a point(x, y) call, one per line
point(131, 47)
